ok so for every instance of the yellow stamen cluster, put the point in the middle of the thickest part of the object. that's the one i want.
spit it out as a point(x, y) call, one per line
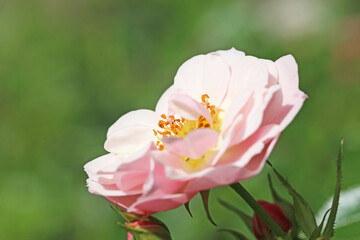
point(171, 126)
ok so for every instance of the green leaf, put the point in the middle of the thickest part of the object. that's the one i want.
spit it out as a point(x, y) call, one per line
point(205, 199)
point(129, 217)
point(303, 214)
point(329, 228)
point(246, 218)
point(317, 232)
point(238, 235)
point(187, 207)
point(241, 191)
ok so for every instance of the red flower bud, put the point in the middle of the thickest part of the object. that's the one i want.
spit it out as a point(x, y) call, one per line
point(260, 229)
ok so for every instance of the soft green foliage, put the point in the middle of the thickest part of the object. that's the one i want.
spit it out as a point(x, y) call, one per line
point(70, 68)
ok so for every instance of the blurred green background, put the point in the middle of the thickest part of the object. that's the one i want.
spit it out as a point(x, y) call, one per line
point(70, 68)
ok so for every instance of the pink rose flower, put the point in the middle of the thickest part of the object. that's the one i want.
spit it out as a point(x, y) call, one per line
point(216, 125)
point(223, 117)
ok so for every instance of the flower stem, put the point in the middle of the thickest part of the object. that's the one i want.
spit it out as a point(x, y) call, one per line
point(244, 194)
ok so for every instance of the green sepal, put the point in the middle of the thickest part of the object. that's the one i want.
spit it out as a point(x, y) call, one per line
point(129, 217)
point(187, 207)
point(159, 222)
point(329, 228)
point(246, 218)
point(286, 206)
point(146, 232)
point(238, 235)
point(135, 233)
point(317, 232)
point(205, 200)
point(304, 216)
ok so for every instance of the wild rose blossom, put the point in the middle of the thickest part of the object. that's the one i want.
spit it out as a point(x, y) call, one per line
point(216, 125)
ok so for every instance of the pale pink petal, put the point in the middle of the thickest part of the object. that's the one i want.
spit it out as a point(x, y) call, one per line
point(273, 72)
point(97, 165)
point(239, 163)
point(189, 77)
point(279, 112)
point(249, 119)
point(139, 160)
point(171, 160)
point(106, 189)
point(158, 183)
point(216, 78)
point(231, 55)
point(132, 132)
point(242, 153)
point(147, 206)
point(124, 202)
point(217, 176)
point(132, 172)
point(256, 164)
point(162, 107)
point(235, 108)
point(130, 180)
point(186, 107)
point(247, 74)
point(253, 115)
point(95, 168)
point(161, 193)
point(194, 144)
point(183, 171)
point(288, 76)
point(118, 175)
point(284, 106)
point(204, 74)
point(227, 138)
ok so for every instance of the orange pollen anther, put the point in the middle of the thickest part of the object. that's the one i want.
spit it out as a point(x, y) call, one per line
point(172, 126)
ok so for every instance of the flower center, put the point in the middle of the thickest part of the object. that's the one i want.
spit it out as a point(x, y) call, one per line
point(179, 127)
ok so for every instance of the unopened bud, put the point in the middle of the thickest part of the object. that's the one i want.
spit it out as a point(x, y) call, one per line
point(260, 229)
point(147, 230)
